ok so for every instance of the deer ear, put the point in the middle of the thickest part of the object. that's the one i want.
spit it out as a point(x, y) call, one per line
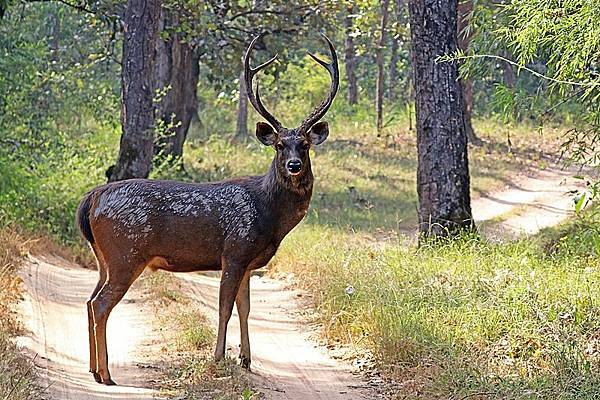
point(319, 132)
point(265, 133)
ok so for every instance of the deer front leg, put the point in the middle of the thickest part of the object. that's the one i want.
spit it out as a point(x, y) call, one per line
point(242, 302)
point(101, 306)
point(231, 278)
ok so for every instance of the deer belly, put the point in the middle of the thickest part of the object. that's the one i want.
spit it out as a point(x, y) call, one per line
point(187, 245)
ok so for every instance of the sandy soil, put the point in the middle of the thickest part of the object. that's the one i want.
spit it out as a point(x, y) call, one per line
point(287, 364)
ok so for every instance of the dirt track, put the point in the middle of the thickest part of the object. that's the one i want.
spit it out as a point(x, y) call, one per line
point(527, 205)
point(286, 363)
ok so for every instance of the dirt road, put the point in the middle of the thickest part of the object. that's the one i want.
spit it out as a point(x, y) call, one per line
point(286, 364)
point(527, 205)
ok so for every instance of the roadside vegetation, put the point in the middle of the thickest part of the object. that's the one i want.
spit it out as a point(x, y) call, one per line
point(17, 375)
point(467, 317)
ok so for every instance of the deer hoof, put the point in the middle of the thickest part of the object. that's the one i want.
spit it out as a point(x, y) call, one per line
point(245, 362)
point(97, 377)
point(109, 382)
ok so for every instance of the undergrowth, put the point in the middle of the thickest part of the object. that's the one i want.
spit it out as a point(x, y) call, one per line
point(17, 376)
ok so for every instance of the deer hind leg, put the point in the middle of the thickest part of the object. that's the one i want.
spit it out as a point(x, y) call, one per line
point(242, 302)
point(120, 278)
point(231, 278)
point(91, 333)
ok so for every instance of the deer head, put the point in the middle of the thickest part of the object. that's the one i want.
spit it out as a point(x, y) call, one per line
point(292, 145)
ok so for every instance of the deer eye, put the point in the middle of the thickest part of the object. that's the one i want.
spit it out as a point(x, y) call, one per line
point(305, 146)
point(279, 146)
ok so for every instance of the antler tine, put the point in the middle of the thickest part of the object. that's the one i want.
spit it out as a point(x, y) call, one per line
point(334, 72)
point(249, 74)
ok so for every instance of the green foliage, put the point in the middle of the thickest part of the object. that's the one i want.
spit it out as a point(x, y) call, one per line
point(557, 45)
point(57, 121)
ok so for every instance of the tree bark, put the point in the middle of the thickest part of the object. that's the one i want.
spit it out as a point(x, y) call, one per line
point(380, 67)
point(443, 168)
point(393, 71)
point(465, 9)
point(241, 128)
point(509, 78)
point(177, 78)
point(350, 58)
point(393, 85)
point(140, 22)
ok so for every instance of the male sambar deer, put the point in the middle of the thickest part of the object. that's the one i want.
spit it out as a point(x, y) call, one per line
point(234, 225)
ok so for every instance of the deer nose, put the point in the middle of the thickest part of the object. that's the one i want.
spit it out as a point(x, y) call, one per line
point(294, 166)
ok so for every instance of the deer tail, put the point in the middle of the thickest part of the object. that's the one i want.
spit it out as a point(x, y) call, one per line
point(83, 217)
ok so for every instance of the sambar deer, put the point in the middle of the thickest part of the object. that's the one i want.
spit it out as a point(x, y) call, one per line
point(234, 225)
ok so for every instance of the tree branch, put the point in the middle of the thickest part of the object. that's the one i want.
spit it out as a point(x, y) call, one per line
point(78, 7)
point(456, 57)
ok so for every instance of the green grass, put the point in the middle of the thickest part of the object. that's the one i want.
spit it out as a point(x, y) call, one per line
point(518, 320)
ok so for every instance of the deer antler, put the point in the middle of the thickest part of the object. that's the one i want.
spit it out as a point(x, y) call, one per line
point(334, 72)
point(249, 73)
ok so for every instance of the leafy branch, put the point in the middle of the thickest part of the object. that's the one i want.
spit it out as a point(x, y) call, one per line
point(460, 56)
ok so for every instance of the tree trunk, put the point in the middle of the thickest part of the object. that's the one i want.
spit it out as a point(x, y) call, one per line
point(393, 85)
point(380, 67)
point(393, 71)
point(177, 79)
point(140, 22)
point(465, 9)
point(350, 59)
point(443, 167)
point(241, 129)
point(509, 78)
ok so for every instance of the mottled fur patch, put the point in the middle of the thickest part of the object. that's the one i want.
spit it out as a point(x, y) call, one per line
point(133, 203)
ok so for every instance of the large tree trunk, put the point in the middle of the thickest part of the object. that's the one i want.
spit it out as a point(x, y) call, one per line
point(380, 67)
point(141, 23)
point(443, 168)
point(241, 128)
point(465, 9)
point(177, 79)
point(350, 59)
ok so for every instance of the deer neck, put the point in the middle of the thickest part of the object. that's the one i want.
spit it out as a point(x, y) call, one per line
point(288, 196)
